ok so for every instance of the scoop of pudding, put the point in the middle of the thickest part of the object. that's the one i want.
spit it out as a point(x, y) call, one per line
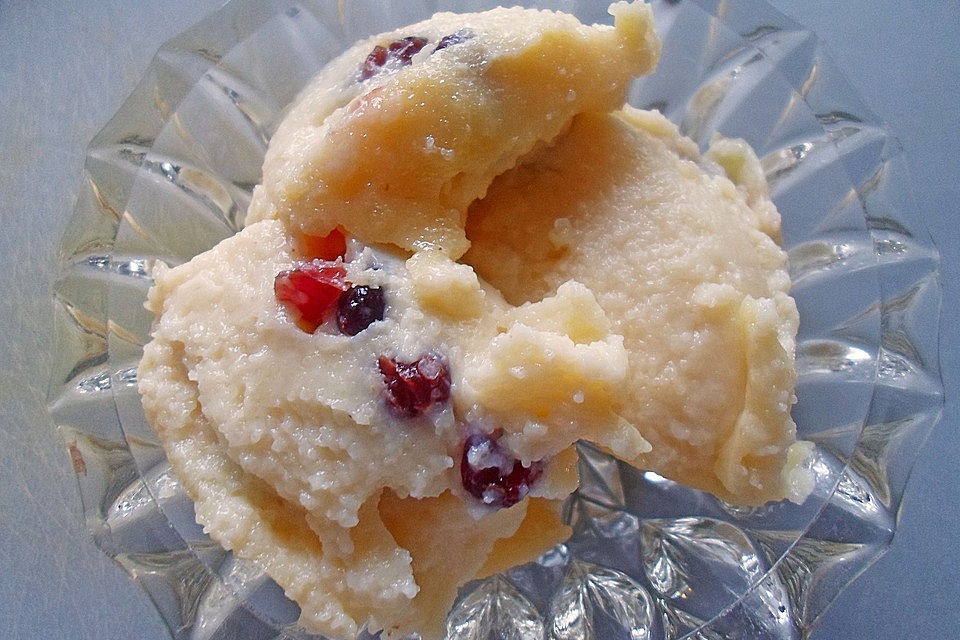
point(682, 259)
point(346, 465)
point(464, 257)
point(394, 146)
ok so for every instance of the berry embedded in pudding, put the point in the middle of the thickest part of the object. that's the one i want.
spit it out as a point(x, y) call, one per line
point(414, 387)
point(491, 475)
point(401, 51)
point(452, 39)
point(310, 291)
point(358, 307)
point(328, 247)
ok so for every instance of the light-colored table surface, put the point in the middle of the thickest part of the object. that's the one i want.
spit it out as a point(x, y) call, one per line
point(65, 68)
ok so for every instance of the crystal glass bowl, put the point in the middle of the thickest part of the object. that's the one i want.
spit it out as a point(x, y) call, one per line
point(171, 175)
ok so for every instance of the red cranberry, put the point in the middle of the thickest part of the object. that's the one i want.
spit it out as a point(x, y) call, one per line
point(328, 247)
point(405, 48)
point(402, 50)
point(452, 39)
point(413, 387)
point(491, 475)
point(376, 59)
point(358, 308)
point(310, 291)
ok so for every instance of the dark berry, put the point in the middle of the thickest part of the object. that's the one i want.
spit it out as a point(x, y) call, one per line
point(413, 387)
point(376, 59)
point(402, 50)
point(493, 476)
point(310, 291)
point(452, 39)
point(359, 307)
point(328, 247)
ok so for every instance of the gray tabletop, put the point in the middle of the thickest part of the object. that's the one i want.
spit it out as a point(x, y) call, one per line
point(65, 68)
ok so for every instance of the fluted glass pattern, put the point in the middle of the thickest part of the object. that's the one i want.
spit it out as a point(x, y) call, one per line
point(650, 559)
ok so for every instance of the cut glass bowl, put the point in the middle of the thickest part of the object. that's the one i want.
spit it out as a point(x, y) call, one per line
point(171, 175)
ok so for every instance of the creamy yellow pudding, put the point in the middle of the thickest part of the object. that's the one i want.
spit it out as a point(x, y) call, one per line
point(466, 254)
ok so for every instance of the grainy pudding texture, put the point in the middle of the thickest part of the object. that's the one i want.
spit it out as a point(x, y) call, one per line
point(507, 260)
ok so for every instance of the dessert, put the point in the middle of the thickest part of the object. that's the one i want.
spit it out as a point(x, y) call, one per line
point(465, 255)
